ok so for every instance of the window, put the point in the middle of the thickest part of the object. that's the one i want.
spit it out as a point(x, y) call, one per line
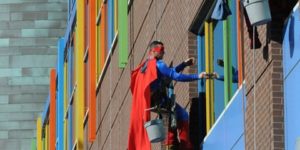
point(217, 40)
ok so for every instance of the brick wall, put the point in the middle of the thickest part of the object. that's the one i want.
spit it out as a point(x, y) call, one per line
point(167, 21)
point(264, 114)
point(29, 30)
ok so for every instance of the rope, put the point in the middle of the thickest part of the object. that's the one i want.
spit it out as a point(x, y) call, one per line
point(156, 20)
point(254, 88)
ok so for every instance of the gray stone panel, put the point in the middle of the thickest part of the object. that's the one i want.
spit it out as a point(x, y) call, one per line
point(37, 7)
point(4, 25)
point(57, 15)
point(3, 81)
point(28, 24)
point(35, 107)
point(34, 89)
point(29, 31)
point(35, 71)
point(32, 61)
point(4, 8)
point(10, 72)
point(20, 1)
point(29, 81)
point(27, 98)
point(4, 99)
point(4, 17)
point(4, 60)
point(13, 116)
point(3, 135)
point(49, 24)
point(10, 33)
point(4, 42)
point(15, 125)
point(21, 134)
point(34, 32)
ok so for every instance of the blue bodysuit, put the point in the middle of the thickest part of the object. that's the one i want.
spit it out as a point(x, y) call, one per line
point(235, 76)
point(165, 72)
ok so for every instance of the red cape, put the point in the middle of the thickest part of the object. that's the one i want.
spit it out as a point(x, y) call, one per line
point(140, 88)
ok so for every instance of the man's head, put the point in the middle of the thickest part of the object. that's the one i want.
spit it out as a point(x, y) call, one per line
point(157, 49)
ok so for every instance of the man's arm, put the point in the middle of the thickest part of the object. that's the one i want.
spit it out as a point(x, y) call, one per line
point(180, 67)
point(187, 62)
point(172, 74)
point(234, 77)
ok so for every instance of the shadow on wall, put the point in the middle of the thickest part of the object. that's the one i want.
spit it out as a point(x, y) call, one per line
point(280, 11)
point(197, 121)
point(276, 27)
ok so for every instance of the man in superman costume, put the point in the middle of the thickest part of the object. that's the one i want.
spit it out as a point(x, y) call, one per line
point(146, 82)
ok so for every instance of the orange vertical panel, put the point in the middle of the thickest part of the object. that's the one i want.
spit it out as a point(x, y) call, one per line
point(103, 36)
point(92, 74)
point(52, 113)
point(239, 42)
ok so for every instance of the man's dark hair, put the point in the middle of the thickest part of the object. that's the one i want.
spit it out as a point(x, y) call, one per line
point(154, 43)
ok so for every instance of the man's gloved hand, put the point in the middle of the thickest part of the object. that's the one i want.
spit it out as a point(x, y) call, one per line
point(202, 75)
point(189, 61)
point(215, 75)
point(205, 75)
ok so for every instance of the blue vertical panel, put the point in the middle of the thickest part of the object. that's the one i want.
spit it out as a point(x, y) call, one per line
point(60, 97)
point(70, 71)
point(56, 95)
point(46, 111)
point(240, 144)
point(233, 32)
point(292, 108)
point(201, 61)
point(218, 53)
point(228, 130)
point(291, 44)
point(110, 26)
point(291, 68)
point(70, 88)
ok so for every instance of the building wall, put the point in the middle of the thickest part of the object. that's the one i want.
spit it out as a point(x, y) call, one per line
point(169, 21)
point(172, 19)
point(264, 114)
point(28, 39)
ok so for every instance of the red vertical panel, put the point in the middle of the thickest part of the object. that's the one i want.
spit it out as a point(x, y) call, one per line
point(52, 113)
point(239, 42)
point(92, 72)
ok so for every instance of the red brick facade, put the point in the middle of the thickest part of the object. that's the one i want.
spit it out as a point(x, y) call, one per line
point(169, 21)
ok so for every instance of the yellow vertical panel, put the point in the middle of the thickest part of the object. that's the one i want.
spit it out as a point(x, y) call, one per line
point(39, 133)
point(209, 55)
point(211, 63)
point(46, 137)
point(98, 70)
point(79, 104)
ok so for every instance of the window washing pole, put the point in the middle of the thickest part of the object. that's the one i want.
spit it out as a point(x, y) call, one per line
point(209, 68)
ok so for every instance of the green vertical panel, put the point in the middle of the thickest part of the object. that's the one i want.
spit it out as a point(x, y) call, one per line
point(227, 61)
point(123, 32)
point(33, 144)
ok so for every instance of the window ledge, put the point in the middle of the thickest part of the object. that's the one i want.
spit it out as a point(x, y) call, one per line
point(114, 43)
